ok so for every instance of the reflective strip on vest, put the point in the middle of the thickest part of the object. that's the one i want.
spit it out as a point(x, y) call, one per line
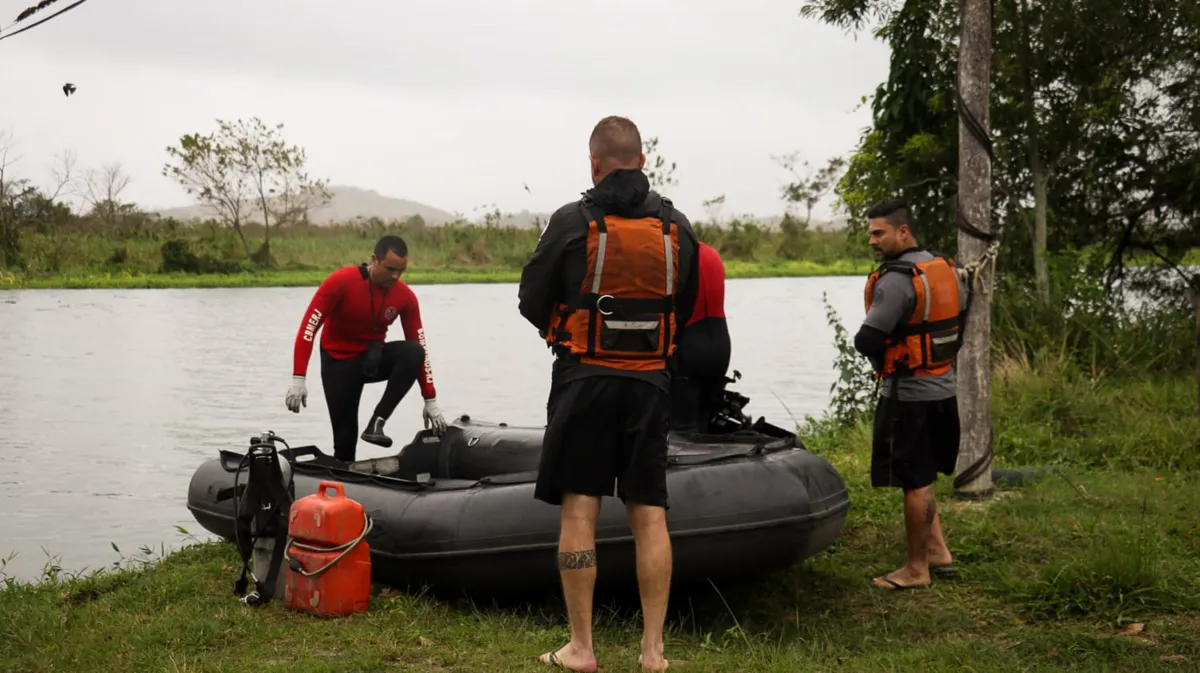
point(600, 249)
point(928, 297)
point(631, 324)
point(670, 257)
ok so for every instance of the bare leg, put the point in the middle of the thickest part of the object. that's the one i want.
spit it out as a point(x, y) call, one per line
point(577, 566)
point(939, 553)
point(920, 511)
point(653, 545)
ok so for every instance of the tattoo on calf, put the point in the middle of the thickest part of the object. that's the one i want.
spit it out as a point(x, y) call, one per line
point(930, 509)
point(576, 560)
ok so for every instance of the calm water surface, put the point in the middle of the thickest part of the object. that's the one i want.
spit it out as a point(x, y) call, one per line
point(109, 399)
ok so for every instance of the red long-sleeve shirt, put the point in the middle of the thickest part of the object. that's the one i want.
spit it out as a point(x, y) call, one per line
point(354, 312)
point(710, 296)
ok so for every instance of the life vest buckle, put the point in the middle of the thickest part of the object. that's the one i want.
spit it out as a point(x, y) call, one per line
point(600, 299)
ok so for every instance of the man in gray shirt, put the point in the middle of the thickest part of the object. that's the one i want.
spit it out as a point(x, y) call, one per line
point(910, 335)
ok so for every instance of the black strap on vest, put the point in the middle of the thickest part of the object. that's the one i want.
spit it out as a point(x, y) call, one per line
point(590, 302)
point(261, 508)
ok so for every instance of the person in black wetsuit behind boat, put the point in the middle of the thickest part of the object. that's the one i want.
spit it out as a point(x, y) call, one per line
point(702, 359)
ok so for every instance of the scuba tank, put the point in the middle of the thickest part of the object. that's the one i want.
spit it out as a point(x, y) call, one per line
point(261, 508)
point(264, 545)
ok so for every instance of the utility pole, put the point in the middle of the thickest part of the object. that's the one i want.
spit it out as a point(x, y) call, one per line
point(974, 201)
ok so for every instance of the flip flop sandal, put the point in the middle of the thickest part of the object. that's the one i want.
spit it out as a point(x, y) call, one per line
point(896, 586)
point(944, 572)
point(552, 659)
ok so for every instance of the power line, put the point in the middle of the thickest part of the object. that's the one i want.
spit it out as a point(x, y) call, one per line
point(39, 21)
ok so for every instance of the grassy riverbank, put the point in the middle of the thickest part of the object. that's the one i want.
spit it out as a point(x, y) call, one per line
point(1096, 568)
point(416, 276)
point(173, 255)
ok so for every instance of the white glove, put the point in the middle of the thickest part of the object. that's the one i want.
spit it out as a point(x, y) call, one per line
point(433, 416)
point(297, 395)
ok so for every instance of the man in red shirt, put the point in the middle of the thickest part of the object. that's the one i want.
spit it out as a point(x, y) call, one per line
point(700, 362)
point(356, 304)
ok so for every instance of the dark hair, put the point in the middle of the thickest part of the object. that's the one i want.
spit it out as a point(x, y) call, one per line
point(894, 212)
point(390, 244)
point(617, 139)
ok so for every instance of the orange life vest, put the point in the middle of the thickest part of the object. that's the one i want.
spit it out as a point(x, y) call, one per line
point(623, 315)
point(928, 342)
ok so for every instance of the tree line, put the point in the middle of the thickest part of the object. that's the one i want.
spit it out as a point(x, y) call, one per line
point(258, 190)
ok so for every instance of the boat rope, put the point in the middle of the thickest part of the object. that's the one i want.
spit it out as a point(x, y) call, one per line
point(970, 272)
point(345, 548)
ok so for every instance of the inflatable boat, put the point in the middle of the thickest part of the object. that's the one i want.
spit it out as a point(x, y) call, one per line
point(457, 511)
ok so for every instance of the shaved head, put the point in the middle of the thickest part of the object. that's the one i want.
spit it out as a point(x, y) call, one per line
point(615, 143)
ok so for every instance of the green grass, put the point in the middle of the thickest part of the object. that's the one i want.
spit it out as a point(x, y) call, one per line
point(81, 255)
point(1096, 568)
point(416, 276)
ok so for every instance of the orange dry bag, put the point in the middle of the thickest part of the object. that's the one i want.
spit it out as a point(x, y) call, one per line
point(329, 562)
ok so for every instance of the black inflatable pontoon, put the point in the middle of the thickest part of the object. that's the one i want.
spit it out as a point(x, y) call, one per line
point(458, 512)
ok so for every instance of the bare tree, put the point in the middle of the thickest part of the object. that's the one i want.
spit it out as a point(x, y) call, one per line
point(101, 189)
point(63, 170)
point(55, 225)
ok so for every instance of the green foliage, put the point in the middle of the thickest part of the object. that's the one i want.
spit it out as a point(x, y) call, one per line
point(854, 392)
point(1101, 331)
point(660, 172)
point(1103, 95)
point(178, 256)
point(137, 245)
point(245, 166)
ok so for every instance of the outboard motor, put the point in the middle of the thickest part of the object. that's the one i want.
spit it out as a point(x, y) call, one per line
point(261, 508)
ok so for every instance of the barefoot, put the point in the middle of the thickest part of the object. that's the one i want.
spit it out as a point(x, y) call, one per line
point(571, 659)
point(654, 662)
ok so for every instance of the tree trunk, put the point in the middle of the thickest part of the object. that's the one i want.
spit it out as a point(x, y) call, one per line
point(975, 200)
point(1196, 308)
point(1037, 165)
point(237, 226)
point(1040, 270)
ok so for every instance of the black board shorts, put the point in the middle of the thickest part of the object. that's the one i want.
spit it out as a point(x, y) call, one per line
point(913, 442)
point(604, 432)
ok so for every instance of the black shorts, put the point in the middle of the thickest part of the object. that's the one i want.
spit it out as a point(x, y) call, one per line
point(913, 442)
point(606, 431)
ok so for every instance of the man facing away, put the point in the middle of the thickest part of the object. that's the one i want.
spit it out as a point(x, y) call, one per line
point(700, 363)
point(611, 279)
point(911, 335)
point(356, 305)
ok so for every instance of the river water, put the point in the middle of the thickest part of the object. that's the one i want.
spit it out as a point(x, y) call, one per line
point(109, 399)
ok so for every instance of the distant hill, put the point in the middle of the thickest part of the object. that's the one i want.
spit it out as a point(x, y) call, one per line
point(526, 218)
point(349, 203)
point(346, 204)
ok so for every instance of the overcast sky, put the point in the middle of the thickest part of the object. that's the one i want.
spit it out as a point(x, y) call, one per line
point(454, 103)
